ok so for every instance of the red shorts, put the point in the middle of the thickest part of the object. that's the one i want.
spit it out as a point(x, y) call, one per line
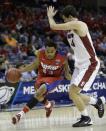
point(48, 80)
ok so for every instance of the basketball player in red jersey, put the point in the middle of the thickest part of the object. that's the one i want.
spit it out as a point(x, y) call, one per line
point(86, 62)
point(51, 68)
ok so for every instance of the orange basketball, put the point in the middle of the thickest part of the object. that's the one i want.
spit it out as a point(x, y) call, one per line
point(13, 75)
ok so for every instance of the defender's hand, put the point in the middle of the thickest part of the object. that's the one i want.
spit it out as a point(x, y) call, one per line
point(51, 12)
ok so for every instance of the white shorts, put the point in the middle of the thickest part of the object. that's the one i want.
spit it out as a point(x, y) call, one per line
point(84, 77)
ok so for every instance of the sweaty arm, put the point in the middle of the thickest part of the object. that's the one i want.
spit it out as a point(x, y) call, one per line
point(67, 70)
point(78, 26)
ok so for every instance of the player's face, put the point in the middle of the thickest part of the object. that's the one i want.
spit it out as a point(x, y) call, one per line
point(50, 52)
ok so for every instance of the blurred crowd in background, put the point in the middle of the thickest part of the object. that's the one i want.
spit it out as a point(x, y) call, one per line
point(29, 27)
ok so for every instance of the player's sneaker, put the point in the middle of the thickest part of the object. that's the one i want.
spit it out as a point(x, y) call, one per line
point(16, 119)
point(83, 121)
point(100, 106)
point(49, 110)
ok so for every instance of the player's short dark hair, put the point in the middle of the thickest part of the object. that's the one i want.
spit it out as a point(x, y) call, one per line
point(69, 10)
point(50, 43)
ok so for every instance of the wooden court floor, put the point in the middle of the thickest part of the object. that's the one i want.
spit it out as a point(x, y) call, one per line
point(61, 119)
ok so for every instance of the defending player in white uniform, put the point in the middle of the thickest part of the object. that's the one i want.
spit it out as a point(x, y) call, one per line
point(86, 62)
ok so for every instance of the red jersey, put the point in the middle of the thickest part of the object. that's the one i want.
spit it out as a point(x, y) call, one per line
point(51, 67)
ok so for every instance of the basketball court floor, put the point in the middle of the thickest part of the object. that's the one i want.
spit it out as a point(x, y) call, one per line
point(61, 120)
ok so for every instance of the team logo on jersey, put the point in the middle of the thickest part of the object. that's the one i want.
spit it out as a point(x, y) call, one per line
point(82, 83)
point(49, 67)
point(70, 38)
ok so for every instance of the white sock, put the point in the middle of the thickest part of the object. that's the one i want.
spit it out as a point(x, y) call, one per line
point(92, 100)
point(22, 113)
point(103, 99)
point(84, 112)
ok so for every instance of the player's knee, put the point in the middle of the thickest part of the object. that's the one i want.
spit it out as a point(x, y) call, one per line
point(39, 96)
point(41, 91)
point(71, 91)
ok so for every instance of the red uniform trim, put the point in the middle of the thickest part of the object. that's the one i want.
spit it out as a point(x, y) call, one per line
point(92, 66)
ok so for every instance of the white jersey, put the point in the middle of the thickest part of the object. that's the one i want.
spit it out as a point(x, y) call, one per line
point(84, 52)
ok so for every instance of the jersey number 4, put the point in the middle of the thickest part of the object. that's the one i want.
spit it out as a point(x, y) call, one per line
point(71, 36)
point(73, 44)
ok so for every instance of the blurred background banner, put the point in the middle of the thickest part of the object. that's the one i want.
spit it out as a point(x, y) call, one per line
point(25, 91)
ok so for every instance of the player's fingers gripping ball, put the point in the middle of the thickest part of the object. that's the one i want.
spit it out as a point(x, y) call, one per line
point(13, 75)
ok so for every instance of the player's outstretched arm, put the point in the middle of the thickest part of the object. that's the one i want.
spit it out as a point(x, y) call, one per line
point(79, 26)
point(51, 13)
point(33, 66)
